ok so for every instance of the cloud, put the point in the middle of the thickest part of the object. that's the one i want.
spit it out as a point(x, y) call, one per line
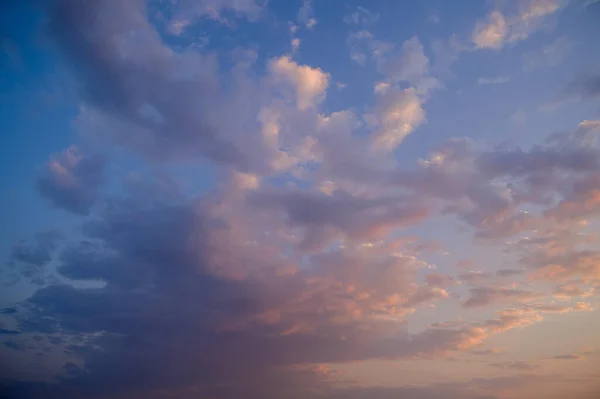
point(460, 173)
point(185, 12)
point(306, 253)
point(30, 258)
point(497, 29)
point(568, 290)
point(37, 252)
point(473, 277)
point(363, 45)
point(356, 217)
point(306, 15)
point(309, 83)
point(70, 180)
point(138, 92)
point(491, 33)
point(398, 113)
point(410, 65)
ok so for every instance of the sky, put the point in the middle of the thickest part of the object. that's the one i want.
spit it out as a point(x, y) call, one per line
point(300, 199)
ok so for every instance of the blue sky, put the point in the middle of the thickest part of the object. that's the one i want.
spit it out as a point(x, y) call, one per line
point(249, 198)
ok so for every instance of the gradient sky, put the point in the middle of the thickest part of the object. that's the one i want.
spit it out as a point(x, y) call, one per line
point(300, 199)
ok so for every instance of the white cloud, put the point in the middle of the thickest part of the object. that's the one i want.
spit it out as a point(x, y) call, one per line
point(309, 83)
point(411, 65)
point(398, 113)
point(491, 33)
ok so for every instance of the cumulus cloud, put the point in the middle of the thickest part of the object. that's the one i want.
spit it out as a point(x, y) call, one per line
point(308, 83)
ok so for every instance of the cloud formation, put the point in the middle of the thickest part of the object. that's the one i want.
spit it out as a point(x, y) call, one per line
point(325, 245)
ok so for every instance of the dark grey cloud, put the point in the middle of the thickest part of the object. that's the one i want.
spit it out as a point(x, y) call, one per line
point(160, 321)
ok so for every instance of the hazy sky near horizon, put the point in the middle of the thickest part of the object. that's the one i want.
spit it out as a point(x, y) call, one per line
point(300, 199)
